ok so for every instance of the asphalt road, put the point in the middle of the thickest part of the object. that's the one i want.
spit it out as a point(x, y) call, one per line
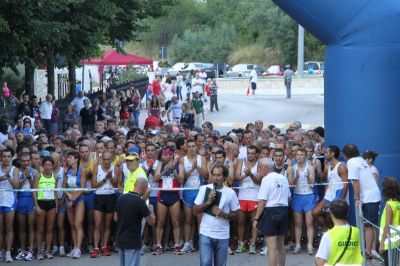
point(237, 110)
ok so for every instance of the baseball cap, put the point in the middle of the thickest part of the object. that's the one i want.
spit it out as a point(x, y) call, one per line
point(133, 149)
point(132, 156)
point(45, 153)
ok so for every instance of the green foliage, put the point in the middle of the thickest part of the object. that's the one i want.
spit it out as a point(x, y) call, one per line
point(209, 44)
point(255, 31)
point(130, 75)
point(14, 81)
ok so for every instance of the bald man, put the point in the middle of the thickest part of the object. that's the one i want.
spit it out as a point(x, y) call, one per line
point(129, 213)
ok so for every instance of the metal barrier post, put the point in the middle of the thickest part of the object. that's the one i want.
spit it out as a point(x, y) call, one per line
point(393, 246)
point(390, 258)
point(360, 225)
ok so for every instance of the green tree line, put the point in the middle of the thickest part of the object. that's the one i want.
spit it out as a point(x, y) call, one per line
point(37, 32)
point(234, 31)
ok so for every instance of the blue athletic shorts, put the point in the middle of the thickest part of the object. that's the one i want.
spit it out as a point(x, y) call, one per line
point(337, 196)
point(303, 203)
point(189, 196)
point(77, 201)
point(168, 198)
point(153, 201)
point(253, 85)
point(62, 209)
point(89, 201)
point(4, 209)
point(25, 205)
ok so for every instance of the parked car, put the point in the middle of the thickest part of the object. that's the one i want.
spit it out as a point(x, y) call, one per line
point(175, 68)
point(210, 69)
point(274, 70)
point(314, 68)
point(243, 70)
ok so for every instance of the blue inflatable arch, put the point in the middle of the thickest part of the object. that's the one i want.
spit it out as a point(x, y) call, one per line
point(362, 72)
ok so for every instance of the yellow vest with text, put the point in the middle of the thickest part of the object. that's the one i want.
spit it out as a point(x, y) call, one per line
point(338, 236)
point(131, 179)
point(46, 182)
point(395, 237)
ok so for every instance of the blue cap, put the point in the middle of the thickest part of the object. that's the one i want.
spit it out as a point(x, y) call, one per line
point(133, 149)
point(45, 153)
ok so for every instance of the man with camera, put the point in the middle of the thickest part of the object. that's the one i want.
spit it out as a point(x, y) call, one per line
point(219, 204)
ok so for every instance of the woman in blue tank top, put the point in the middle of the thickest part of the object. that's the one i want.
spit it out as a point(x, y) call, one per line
point(73, 178)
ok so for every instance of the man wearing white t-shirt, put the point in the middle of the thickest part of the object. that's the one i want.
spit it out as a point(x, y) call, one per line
point(214, 227)
point(253, 81)
point(272, 210)
point(197, 85)
point(366, 192)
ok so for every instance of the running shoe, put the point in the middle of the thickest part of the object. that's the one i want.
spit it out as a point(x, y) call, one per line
point(264, 251)
point(377, 256)
point(8, 257)
point(61, 251)
point(21, 254)
point(2, 253)
point(71, 253)
point(186, 248)
point(230, 251)
point(252, 249)
point(178, 250)
point(28, 256)
point(40, 256)
point(49, 255)
point(54, 250)
point(90, 248)
point(158, 250)
point(296, 250)
point(105, 251)
point(95, 253)
point(310, 250)
point(240, 248)
point(145, 248)
point(77, 254)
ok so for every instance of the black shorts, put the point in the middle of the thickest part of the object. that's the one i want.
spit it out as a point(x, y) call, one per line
point(274, 221)
point(46, 205)
point(370, 212)
point(105, 203)
point(253, 85)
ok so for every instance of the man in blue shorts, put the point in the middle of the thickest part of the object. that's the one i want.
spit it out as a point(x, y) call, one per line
point(302, 175)
point(26, 208)
point(336, 174)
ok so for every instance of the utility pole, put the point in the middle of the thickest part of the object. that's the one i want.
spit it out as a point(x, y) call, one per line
point(300, 52)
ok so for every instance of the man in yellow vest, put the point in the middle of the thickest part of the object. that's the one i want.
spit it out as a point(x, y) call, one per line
point(132, 172)
point(341, 244)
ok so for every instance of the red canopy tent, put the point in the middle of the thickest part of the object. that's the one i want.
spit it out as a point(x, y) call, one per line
point(113, 58)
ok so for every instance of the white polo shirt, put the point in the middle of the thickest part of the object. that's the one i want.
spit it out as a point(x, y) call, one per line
point(46, 108)
point(275, 190)
point(358, 169)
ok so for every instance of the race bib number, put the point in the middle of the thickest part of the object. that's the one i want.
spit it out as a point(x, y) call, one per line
point(26, 185)
point(48, 195)
point(303, 188)
point(71, 180)
point(167, 182)
point(330, 194)
point(247, 182)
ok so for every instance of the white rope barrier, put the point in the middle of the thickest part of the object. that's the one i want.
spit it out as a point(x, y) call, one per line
point(156, 189)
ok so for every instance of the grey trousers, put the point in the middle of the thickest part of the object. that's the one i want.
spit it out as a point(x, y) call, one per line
point(288, 85)
point(214, 102)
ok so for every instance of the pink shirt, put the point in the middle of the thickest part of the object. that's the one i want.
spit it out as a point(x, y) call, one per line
point(6, 92)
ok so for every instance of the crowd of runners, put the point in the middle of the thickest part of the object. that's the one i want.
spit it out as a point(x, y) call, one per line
point(93, 168)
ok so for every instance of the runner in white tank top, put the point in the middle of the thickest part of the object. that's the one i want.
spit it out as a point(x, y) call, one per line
point(248, 178)
point(335, 173)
